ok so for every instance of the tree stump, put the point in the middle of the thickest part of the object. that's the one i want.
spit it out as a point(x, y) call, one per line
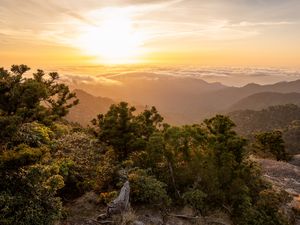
point(121, 203)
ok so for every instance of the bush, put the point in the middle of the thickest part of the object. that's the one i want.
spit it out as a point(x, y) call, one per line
point(266, 211)
point(147, 189)
point(271, 143)
point(28, 197)
point(77, 155)
point(33, 134)
point(21, 155)
point(107, 197)
point(195, 198)
point(107, 170)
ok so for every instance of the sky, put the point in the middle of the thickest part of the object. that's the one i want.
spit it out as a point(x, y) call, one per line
point(217, 33)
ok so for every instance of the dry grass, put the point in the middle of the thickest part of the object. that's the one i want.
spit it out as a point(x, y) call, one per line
point(126, 218)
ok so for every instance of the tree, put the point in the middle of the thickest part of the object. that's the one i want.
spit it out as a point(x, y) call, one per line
point(124, 131)
point(29, 179)
point(24, 100)
point(148, 122)
point(117, 128)
point(271, 143)
point(291, 136)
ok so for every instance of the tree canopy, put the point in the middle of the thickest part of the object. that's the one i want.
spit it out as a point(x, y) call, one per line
point(38, 98)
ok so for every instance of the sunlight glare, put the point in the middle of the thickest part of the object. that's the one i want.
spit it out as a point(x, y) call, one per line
point(115, 41)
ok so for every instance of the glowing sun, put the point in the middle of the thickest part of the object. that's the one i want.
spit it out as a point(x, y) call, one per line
point(114, 41)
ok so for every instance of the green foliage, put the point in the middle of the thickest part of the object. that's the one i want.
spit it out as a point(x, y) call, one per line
point(271, 143)
point(117, 129)
point(266, 211)
point(203, 165)
point(33, 134)
point(77, 155)
point(291, 136)
point(147, 189)
point(208, 164)
point(24, 100)
point(21, 155)
point(196, 199)
point(29, 178)
point(273, 118)
point(107, 197)
point(107, 170)
point(124, 131)
point(60, 129)
point(27, 190)
point(281, 117)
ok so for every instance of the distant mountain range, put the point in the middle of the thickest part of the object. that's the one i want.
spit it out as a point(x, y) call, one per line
point(180, 100)
point(227, 97)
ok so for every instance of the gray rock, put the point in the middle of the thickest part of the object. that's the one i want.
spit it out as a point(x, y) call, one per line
point(138, 223)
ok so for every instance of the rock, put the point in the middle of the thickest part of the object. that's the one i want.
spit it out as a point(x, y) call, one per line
point(155, 220)
point(121, 203)
point(138, 223)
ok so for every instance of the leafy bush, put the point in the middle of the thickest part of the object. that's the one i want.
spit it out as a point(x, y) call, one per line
point(33, 134)
point(195, 198)
point(291, 137)
point(147, 189)
point(77, 155)
point(21, 155)
point(266, 211)
point(107, 170)
point(28, 196)
point(271, 143)
point(107, 197)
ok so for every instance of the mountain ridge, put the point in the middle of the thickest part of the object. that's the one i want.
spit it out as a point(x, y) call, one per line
point(188, 100)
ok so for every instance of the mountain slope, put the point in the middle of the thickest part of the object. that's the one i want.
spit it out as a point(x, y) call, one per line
point(170, 94)
point(183, 99)
point(274, 117)
point(225, 98)
point(88, 108)
point(262, 100)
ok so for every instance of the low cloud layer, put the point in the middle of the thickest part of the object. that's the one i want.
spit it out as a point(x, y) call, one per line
point(230, 76)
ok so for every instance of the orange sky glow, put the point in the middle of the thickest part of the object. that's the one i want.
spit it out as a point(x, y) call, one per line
point(189, 32)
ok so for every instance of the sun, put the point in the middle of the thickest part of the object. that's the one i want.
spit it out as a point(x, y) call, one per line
point(114, 41)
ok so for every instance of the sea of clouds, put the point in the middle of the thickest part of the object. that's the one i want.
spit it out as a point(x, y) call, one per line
point(230, 76)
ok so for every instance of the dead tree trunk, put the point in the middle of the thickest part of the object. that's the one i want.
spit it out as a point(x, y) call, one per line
point(121, 203)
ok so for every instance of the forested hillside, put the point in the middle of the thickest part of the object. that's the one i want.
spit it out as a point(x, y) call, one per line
point(264, 100)
point(46, 162)
point(285, 118)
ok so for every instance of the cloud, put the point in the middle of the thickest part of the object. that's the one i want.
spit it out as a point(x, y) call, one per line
point(232, 76)
point(87, 79)
point(167, 24)
point(251, 24)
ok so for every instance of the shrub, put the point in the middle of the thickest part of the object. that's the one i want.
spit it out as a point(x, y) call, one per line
point(77, 155)
point(271, 143)
point(33, 134)
point(195, 198)
point(107, 197)
point(21, 155)
point(28, 197)
point(147, 189)
point(107, 170)
point(266, 211)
